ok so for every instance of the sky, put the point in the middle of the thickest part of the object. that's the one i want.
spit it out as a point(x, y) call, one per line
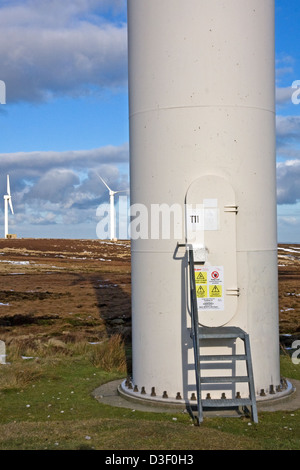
point(65, 116)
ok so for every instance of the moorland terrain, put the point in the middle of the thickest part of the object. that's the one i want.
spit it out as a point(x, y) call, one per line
point(71, 290)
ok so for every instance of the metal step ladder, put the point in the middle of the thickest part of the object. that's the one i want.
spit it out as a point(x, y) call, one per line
point(199, 335)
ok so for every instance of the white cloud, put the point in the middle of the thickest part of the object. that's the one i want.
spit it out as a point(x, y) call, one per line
point(289, 224)
point(54, 186)
point(288, 136)
point(288, 126)
point(284, 66)
point(62, 187)
point(288, 182)
point(56, 13)
point(289, 220)
point(284, 95)
point(53, 48)
point(49, 47)
point(38, 162)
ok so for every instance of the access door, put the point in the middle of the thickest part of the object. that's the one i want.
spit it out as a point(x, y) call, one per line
point(211, 217)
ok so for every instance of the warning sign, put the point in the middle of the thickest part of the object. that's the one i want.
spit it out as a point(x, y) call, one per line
point(201, 277)
point(215, 274)
point(215, 291)
point(201, 291)
point(210, 287)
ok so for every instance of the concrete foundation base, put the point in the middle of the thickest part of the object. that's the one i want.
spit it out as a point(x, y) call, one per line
point(113, 393)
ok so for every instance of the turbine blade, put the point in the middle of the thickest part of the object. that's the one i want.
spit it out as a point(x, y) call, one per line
point(10, 205)
point(104, 182)
point(8, 185)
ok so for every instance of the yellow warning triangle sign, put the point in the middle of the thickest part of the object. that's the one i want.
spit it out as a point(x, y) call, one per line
point(201, 292)
point(200, 277)
point(216, 290)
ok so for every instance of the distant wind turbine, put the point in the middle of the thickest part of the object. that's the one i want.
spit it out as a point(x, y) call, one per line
point(7, 200)
point(112, 208)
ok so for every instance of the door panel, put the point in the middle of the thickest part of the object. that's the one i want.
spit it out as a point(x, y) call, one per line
point(211, 215)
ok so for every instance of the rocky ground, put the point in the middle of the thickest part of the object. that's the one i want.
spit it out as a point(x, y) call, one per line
point(81, 289)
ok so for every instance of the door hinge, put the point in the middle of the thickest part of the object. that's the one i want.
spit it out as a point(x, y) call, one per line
point(231, 208)
point(235, 291)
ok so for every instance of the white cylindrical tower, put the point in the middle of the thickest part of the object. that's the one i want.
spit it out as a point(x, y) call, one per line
point(202, 132)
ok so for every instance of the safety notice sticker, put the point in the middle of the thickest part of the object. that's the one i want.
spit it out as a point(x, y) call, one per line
point(209, 287)
point(201, 291)
point(201, 277)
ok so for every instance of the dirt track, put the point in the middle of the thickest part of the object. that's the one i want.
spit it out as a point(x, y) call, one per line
point(79, 289)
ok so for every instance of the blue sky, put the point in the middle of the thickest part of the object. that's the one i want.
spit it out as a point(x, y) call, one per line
point(64, 64)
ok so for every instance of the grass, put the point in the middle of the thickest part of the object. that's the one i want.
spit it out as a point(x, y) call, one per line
point(46, 403)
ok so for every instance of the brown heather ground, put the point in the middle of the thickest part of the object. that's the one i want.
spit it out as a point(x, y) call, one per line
point(71, 290)
point(289, 292)
point(75, 290)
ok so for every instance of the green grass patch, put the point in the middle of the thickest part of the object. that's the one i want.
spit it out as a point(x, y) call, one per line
point(47, 403)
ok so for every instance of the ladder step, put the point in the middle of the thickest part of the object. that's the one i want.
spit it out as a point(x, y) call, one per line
point(221, 332)
point(214, 403)
point(231, 379)
point(224, 357)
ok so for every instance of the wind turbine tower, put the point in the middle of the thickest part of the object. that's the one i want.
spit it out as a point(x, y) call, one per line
point(112, 208)
point(7, 201)
point(202, 138)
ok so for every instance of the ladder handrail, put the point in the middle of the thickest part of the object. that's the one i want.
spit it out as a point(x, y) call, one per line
point(195, 329)
point(234, 333)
